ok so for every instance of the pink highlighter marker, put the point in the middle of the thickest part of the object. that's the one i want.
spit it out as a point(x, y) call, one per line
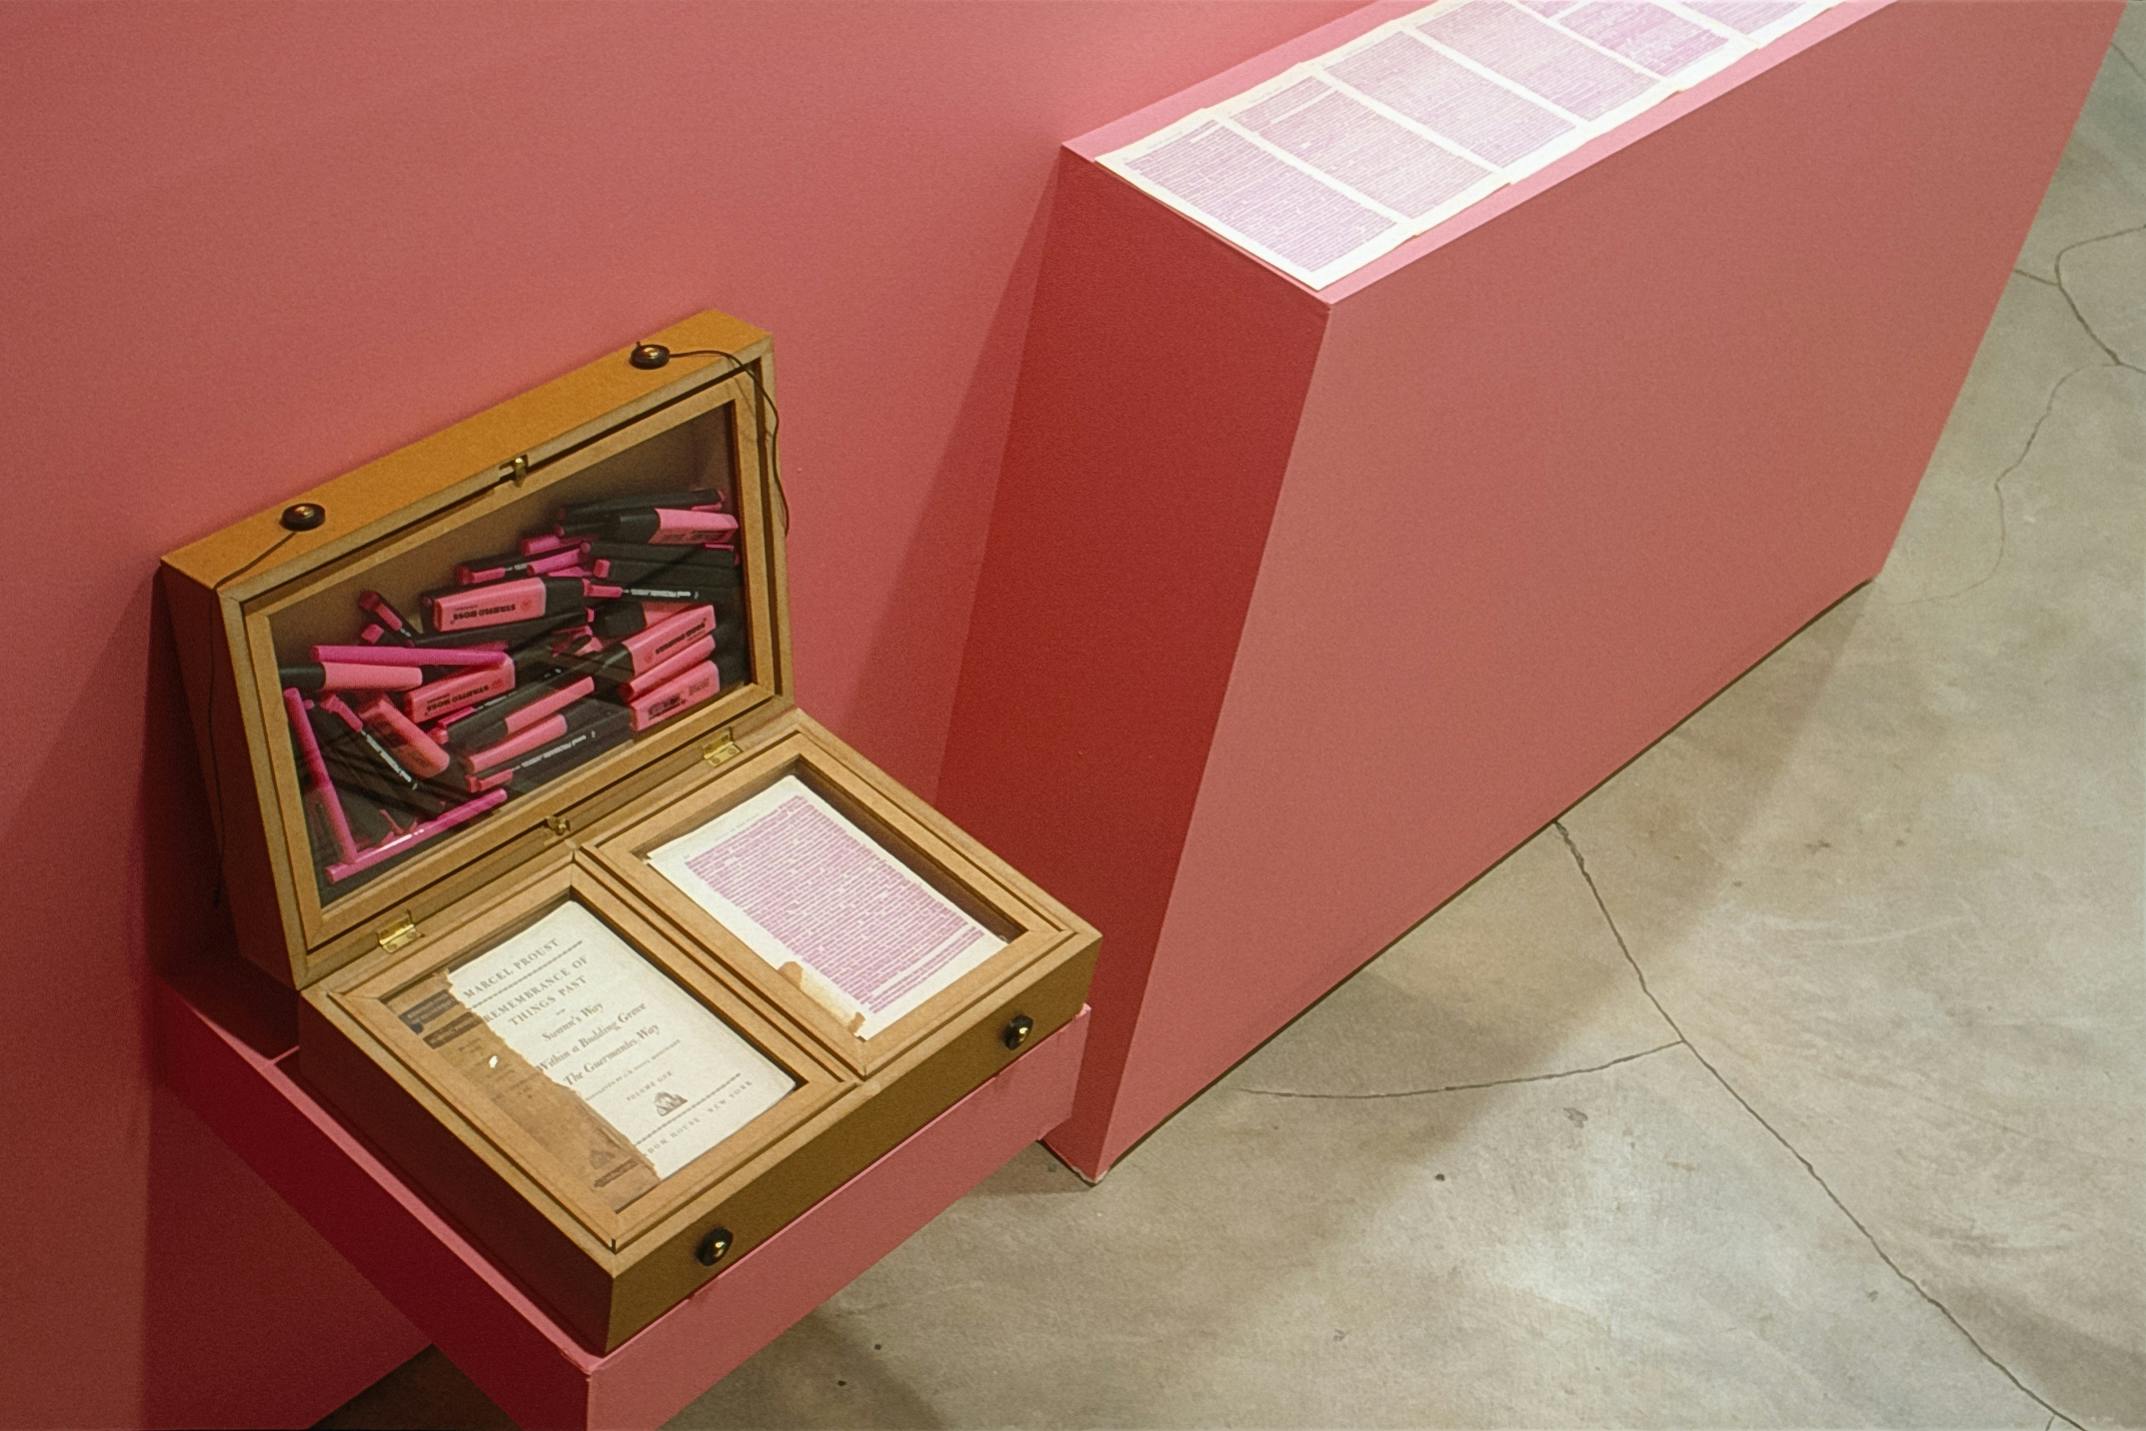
point(465, 688)
point(651, 646)
point(472, 608)
point(418, 833)
point(519, 709)
point(686, 658)
point(506, 568)
point(319, 788)
point(674, 528)
point(415, 749)
point(538, 733)
point(660, 526)
point(647, 648)
point(353, 675)
point(676, 695)
point(411, 655)
point(383, 613)
point(656, 642)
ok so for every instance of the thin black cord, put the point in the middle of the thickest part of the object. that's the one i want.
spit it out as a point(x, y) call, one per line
point(771, 417)
point(208, 724)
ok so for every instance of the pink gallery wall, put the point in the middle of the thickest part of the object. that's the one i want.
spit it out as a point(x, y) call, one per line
point(244, 248)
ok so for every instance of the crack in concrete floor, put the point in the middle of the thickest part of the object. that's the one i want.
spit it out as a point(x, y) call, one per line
point(1579, 862)
point(2004, 527)
point(2049, 405)
point(1464, 1087)
point(2072, 299)
point(2130, 64)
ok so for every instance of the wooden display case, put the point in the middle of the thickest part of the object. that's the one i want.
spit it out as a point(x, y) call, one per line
point(383, 905)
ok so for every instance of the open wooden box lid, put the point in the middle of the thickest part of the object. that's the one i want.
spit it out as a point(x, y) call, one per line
point(252, 602)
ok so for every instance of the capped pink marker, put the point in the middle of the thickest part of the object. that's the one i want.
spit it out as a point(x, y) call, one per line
point(499, 603)
point(412, 746)
point(505, 568)
point(417, 834)
point(409, 656)
point(676, 695)
point(464, 688)
point(319, 789)
point(660, 526)
point(677, 664)
point(352, 675)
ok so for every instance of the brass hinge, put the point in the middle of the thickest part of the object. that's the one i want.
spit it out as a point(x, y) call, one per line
point(559, 825)
point(517, 471)
point(722, 750)
point(401, 932)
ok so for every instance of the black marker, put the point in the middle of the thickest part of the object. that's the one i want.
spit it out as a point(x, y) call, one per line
point(514, 634)
point(645, 552)
point(608, 506)
point(603, 727)
point(663, 526)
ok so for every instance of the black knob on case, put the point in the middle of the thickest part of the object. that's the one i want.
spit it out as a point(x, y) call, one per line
point(649, 355)
point(1017, 1031)
point(304, 516)
point(714, 1247)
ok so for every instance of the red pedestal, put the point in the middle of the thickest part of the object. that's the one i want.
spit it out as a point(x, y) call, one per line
point(1301, 609)
point(231, 1058)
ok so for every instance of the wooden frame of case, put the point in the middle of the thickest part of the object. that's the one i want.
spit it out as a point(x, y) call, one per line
point(957, 1040)
point(934, 849)
point(360, 1005)
point(583, 835)
point(226, 590)
point(322, 923)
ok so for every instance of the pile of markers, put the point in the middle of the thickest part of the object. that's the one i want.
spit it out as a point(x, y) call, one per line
point(626, 613)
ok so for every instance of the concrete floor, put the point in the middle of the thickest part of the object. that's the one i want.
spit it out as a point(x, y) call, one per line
point(1796, 1077)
